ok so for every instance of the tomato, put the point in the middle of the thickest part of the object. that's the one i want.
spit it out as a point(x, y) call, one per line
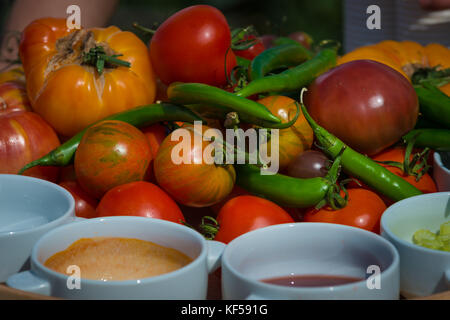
point(364, 103)
point(267, 40)
point(363, 210)
point(181, 170)
point(111, 153)
point(139, 199)
point(84, 204)
point(293, 140)
point(237, 191)
point(70, 94)
point(302, 37)
point(13, 75)
point(397, 154)
point(246, 213)
point(253, 51)
point(13, 96)
point(24, 137)
point(193, 46)
point(155, 135)
point(309, 164)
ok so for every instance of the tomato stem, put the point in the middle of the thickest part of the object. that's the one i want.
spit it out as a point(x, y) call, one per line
point(97, 57)
point(143, 29)
point(209, 230)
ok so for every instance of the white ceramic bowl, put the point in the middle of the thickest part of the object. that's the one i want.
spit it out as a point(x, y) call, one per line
point(441, 174)
point(423, 271)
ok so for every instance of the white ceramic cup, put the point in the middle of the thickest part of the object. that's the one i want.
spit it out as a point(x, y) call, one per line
point(188, 282)
point(29, 207)
point(423, 271)
point(441, 174)
point(309, 249)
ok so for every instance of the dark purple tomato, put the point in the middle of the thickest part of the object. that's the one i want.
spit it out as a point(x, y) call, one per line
point(309, 164)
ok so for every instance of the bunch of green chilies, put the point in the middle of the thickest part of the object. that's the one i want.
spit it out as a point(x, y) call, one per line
point(189, 100)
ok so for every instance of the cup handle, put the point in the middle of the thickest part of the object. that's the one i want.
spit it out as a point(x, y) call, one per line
point(28, 281)
point(214, 255)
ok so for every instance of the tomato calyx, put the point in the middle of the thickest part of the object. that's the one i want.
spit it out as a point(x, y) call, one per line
point(97, 57)
point(243, 38)
point(431, 77)
point(416, 166)
point(209, 229)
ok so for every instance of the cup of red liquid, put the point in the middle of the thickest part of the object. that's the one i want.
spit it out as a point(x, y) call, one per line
point(310, 261)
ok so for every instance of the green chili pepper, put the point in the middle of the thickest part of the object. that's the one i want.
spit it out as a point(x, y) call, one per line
point(362, 167)
point(196, 94)
point(276, 57)
point(289, 191)
point(434, 104)
point(139, 117)
point(294, 78)
point(436, 139)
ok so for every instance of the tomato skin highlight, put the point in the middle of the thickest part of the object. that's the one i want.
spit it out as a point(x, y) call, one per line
point(363, 210)
point(191, 46)
point(246, 213)
point(111, 153)
point(139, 198)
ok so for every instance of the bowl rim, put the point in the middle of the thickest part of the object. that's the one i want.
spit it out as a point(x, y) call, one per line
point(70, 212)
point(40, 267)
point(388, 212)
point(392, 267)
point(438, 160)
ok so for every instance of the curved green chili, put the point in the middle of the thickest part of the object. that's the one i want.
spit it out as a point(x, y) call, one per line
point(139, 117)
point(436, 139)
point(197, 94)
point(280, 56)
point(434, 104)
point(292, 192)
point(294, 78)
point(362, 167)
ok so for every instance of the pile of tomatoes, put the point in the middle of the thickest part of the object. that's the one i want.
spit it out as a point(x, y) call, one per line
point(119, 169)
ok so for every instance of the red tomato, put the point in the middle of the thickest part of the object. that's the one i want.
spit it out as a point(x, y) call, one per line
point(397, 154)
point(13, 95)
point(253, 51)
point(155, 135)
point(301, 37)
point(367, 104)
point(84, 204)
point(237, 191)
point(139, 199)
point(111, 153)
point(24, 137)
point(190, 179)
point(191, 46)
point(363, 210)
point(246, 213)
point(268, 40)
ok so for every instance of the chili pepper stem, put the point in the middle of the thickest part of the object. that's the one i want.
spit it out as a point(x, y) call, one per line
point(143, 29)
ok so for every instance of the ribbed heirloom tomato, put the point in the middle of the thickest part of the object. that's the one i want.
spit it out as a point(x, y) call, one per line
point(193, 46)
point(63, 85)
point(24, 137)
point(111, 153)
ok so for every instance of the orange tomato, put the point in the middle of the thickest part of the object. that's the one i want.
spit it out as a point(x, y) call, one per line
point(293, 140)
point(155, 135)
point(13, 75)
point(70, 94)
point(111, 153)
point(191, 179)
point(438, 55)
